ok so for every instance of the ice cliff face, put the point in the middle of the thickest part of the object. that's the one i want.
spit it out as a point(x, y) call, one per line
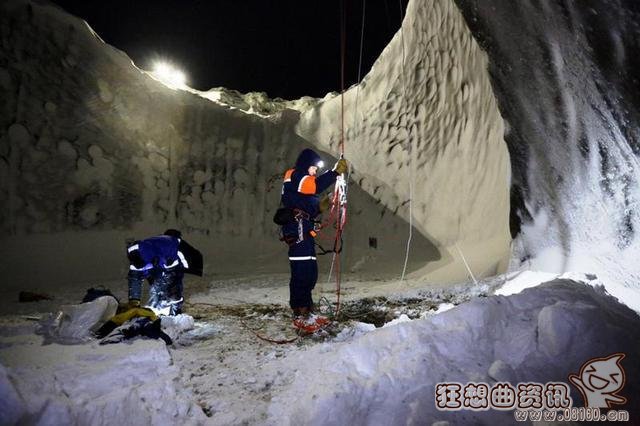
point(426, 114)
point(93, 151)
point(566, 78)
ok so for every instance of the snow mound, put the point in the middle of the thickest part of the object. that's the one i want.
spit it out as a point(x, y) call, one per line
point(401, 319)
point(358, 329)
point(128, 383)
point(527, 279)
point(523, 280)
point(388, 376)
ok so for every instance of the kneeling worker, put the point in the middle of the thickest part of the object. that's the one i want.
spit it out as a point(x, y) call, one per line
point(162, 260)
point(300, 204)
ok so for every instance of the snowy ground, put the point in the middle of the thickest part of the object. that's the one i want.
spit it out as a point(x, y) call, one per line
point(235, 375)
point(219, 372)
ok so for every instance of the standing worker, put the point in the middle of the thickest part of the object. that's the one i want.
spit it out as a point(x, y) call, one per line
point(300, 204)
point(162, 260)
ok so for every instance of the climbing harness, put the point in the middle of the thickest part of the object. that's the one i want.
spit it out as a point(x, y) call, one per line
point(289, 215)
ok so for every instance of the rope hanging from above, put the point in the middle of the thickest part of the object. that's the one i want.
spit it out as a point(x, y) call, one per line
point(339, 206)
point(410, 149)
point(338, 213)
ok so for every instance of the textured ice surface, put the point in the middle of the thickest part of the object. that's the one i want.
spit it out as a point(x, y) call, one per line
point(433, 122)
point(565, 76)
point(95, 151)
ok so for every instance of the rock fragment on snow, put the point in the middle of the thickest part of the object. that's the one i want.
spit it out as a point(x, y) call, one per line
point(500, 371)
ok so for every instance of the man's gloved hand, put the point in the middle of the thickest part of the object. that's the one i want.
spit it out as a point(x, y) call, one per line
point(341, 166)
point(325, 203)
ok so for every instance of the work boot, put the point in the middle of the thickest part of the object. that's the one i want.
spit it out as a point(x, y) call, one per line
point(305, 324)
point(310, 323)
point(321, 320)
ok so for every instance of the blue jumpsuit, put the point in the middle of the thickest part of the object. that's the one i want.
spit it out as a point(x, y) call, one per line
point(158, 260)
point(300, 192)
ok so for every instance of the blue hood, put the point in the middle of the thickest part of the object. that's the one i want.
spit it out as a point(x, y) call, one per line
point(306, 159)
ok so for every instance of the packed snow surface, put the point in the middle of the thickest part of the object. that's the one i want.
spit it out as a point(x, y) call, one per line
point(218, 372)
point(388, 376)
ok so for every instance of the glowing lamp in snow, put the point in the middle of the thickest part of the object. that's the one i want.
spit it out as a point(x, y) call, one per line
point(169, 75)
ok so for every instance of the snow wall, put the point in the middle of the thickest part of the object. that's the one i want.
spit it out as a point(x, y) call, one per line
point(94, 151)
point(566, 78)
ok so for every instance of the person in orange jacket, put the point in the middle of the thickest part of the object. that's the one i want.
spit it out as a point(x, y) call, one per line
point(300, 198)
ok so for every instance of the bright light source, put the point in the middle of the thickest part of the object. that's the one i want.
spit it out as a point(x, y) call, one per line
point(169, 75)
point(320, 164)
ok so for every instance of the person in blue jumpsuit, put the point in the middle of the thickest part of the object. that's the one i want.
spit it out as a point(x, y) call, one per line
point(162, 260)
point(300, 194)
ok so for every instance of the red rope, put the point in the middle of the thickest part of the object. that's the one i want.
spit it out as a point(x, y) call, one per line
point(340, 209)
point(269, 339)
point(343, 44)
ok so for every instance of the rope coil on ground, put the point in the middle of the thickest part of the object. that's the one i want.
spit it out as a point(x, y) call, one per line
point(268, 339)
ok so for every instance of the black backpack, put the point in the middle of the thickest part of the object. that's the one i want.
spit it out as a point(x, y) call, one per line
point(283, 216)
